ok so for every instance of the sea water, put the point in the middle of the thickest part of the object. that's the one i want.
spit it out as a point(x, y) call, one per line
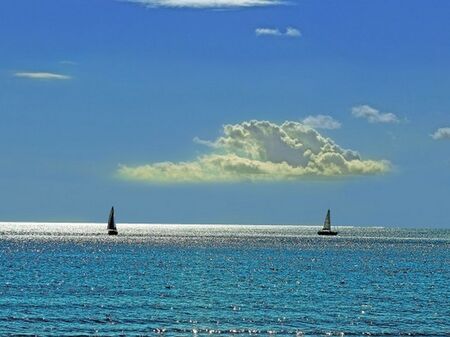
point(224, 280)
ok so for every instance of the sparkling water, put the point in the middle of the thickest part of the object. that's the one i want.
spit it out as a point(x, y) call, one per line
point(229, 280)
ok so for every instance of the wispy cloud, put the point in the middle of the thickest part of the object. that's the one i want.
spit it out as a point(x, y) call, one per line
point(373, 115)
point(261, 151)
point(321, 122)
point(267, 31)
point(42, 76)
point(441, 133)
point(290, 32)
point(204, 142)
point(68, 62)
point(293, 32)
point(206, 3)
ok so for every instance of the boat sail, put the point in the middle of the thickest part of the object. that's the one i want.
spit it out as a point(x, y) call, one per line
point(327, 222)
point(326, 230)
point(112, 229)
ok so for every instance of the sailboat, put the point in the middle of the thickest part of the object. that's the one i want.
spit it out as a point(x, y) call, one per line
point(112, 229)
point(326, 230)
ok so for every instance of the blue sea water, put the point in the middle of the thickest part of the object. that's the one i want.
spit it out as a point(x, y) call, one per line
point(207, 280)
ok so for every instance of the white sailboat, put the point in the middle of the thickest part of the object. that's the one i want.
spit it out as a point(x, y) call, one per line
point(326, 230)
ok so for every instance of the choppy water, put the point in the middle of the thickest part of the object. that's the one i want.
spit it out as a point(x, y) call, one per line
point(199, 280)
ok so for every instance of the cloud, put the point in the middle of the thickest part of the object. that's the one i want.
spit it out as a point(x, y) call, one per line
point(293, 32)
point(267, 31)
point(373, 115)
point(204, 142)
point(321, 122)
point(261, 151)
point(68, 62)
point(441, 133)
point(42, 76)
point(206, 3)
point(290, 32)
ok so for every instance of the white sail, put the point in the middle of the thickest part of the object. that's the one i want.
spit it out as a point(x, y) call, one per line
point(327, 222)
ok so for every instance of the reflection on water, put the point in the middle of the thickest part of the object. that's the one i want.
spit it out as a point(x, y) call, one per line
point(197, 233)
point(198, 280)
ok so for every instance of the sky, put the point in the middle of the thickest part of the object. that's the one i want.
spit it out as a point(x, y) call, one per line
point(225, 111)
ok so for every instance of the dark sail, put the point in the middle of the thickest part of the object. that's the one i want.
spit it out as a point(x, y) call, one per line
point(112, 230)
point(327, 222)
point(326, 230)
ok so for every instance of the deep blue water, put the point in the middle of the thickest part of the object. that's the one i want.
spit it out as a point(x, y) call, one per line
point(222, 280)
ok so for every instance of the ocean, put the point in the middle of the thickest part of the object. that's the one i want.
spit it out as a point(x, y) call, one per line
point(71, 279)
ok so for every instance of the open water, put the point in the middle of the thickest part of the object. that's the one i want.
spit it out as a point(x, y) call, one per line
point(222, 280)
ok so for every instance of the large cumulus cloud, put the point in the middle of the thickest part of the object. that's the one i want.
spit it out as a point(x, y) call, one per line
point(261, 151)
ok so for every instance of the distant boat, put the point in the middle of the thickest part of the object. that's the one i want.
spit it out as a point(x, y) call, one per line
point(326, 230)
point(112, 229)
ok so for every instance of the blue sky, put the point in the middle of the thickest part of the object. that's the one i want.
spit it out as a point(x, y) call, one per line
point(89, 87)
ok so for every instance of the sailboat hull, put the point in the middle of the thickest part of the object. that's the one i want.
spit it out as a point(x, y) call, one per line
point(327, 232)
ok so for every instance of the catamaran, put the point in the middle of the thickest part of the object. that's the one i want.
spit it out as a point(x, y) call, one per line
point(112, 229)
point(326, 230)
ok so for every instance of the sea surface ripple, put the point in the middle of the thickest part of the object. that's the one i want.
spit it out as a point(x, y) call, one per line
point(71, 279)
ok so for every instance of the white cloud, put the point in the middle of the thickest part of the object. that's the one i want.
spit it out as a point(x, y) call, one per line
point(68, 62)
point(42, 76)
point(321, 122)
point(373, 115)
point(293, 32)
point(206, 3)
point(261, 151)
point(290, 32)
point(267, 31)
point(441, 133)
point(204, 142)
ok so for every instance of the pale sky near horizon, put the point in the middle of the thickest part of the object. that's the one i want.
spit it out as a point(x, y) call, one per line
point(225, 111)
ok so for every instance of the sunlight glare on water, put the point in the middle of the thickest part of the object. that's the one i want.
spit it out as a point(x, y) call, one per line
point(66, 279)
